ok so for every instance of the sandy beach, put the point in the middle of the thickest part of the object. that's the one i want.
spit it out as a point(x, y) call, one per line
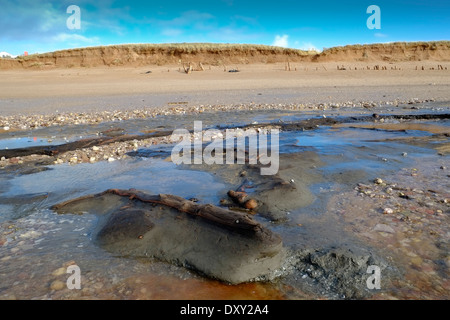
point(362, 181)
point(96, 89)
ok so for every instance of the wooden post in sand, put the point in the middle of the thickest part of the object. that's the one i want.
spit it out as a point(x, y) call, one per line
point(188, 69)
point(287, 66)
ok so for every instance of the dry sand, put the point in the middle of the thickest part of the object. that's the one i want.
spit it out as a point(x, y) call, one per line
point(46, 91)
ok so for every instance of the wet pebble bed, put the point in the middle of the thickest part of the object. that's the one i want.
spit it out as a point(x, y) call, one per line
point(406, 215)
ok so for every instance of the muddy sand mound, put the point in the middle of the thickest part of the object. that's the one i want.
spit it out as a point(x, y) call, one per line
point(222, 244)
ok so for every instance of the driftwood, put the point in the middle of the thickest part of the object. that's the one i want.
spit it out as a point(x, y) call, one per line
point(243, 199)
point(79, 144)
point(219, 243)
point(224, 217)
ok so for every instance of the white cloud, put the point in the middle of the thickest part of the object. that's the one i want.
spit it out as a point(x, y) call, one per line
point(307, 46)
point(67, 37)
point(172, 32)
point(380, 35)
point(6, 55)
point(281, 41)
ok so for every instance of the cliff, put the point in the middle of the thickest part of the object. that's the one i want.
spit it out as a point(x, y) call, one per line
point(135, 55)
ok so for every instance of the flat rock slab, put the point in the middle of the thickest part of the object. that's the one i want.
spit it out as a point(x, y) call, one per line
point(219, 243)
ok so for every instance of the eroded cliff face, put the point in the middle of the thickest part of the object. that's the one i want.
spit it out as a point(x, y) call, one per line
point(393, 52)
point(223, 54)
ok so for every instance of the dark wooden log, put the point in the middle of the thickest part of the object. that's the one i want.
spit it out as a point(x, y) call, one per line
point(220, 216)
point(79, 144)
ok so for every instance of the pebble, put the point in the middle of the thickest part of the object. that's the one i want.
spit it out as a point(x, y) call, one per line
point(388, 211)
point(251, 204)
point(383, 228)
point(57, 285)
point(378, 181)
point(59, 272)
point(36, 121)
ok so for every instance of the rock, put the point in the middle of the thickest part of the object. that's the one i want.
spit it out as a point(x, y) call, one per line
point(378, 181)
point(59, 272)
point(388, 211)
point(6, 128)
point(73, 159)
point(84, 158)
point(341, 271)
point(251, 204)
point(57, 285)
point(383, 228)
point(95, 148)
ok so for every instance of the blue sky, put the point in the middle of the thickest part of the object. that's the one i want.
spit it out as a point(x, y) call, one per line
point(41, 25)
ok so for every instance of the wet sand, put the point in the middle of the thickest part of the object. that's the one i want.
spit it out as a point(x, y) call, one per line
point(36, 245)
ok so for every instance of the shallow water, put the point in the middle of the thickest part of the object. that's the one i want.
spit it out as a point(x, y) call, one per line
point(37, 245)
point(25, 142)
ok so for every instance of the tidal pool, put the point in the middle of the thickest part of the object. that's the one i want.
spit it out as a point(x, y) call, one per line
point(331, 163)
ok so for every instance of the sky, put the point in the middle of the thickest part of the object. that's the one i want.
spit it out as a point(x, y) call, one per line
point(39, 26)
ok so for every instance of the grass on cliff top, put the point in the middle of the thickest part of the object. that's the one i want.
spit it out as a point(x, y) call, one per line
point(188, 48)
point(428, 45)
point(193, 48)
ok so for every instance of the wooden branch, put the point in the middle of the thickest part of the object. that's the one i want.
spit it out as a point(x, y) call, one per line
point(79, 144)
point(221, 216)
